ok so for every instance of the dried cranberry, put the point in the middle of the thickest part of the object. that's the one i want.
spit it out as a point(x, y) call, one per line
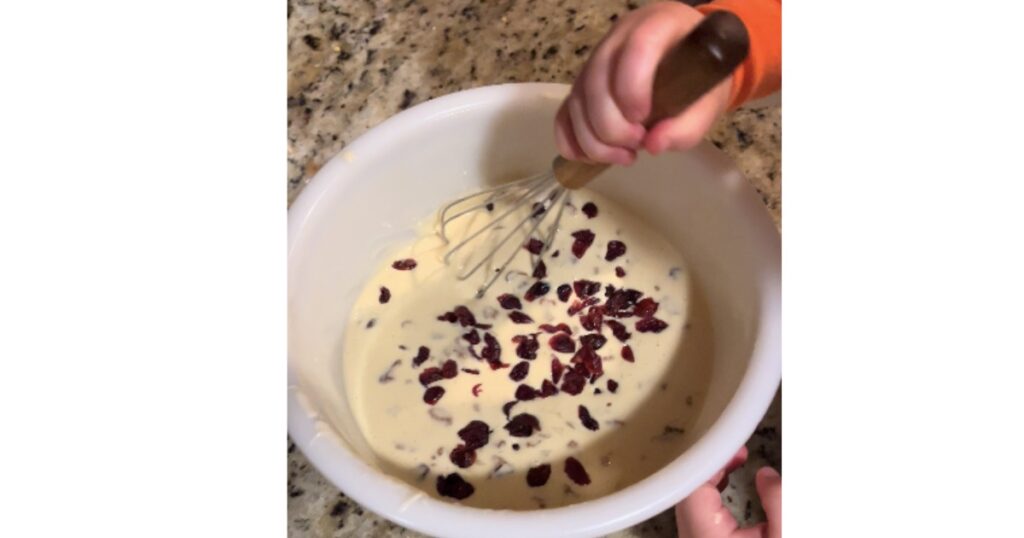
point(551, 329)
point(587, 420)
point(538, 289)
point(627, 354)
point(586, 288)
point(577, 306)
point(645, 308)
point(477, 389)
point(651, 325)
point(562, 343)
point(619, 301)
point(519, 371)
point(433, 394)
point(563, 292)
point(616, 248)
point(590, 210)
point(385, 295)
point(492, 349)
point(475, 434)
point(496, 364)
point(519, 317)
point(509, 301)
point(618, 329)
point(454, 486)
point(556, 369)
point(465, 317)
point(590, 360)
point(450, 317)
point(534, 245)
point(584, 238)
point(507, 407)
point(404, 265)
point(613, 386)
point(462, 456)
point(449, 369)
point(573, 383)
point(526, 346)
point(547, 388)
point(541, 270)
point(593, 341)
point(538, 476)
point(591, 321)
point(522, 425)
point(422, 354)
point(525, 393)
point(620, 272)
point(576, 472)
point(472, 337)
point(430, 375)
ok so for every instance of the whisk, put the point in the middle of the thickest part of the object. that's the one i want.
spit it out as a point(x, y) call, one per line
point(701, 60)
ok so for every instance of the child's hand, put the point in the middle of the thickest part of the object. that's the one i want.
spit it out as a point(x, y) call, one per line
point(602, 119)
point(702, 515)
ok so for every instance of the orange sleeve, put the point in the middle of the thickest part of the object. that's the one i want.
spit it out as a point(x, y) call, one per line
point(761, 73)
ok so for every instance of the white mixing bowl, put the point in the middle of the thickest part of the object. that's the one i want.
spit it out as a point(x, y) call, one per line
point(371, 195)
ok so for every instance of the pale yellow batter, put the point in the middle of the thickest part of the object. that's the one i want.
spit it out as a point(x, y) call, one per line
point(640, 427)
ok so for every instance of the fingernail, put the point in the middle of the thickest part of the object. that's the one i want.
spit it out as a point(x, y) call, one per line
point(769, 473)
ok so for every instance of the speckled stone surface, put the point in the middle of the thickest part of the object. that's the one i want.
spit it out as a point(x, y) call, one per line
point(352, 64)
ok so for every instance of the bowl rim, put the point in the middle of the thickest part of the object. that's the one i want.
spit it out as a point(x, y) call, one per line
point(401, 503)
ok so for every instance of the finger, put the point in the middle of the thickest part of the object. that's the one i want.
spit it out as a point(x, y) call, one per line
point(757, 531)
point(589, 143)
point(687, 129)
point(564, 138)
point(769, 487)
point(736, 462)
point(702, 515)
point(610, 126)
point(636, 64)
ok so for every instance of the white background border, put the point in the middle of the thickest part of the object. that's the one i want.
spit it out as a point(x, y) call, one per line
point(142, 299)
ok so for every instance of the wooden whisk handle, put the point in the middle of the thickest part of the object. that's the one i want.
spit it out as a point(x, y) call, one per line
point(695, 65)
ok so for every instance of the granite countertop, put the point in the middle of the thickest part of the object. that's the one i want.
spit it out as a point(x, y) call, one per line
point(351, 65)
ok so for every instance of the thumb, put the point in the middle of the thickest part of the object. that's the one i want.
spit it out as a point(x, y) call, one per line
point(686, 130)
point(769, 488)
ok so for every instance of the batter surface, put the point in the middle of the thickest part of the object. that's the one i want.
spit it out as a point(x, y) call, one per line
point(563, 383)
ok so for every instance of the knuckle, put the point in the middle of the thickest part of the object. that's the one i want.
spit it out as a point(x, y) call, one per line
point(601, 153)
point(609, 131)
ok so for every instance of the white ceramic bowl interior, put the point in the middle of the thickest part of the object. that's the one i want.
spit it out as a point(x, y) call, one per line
point(371, 195)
